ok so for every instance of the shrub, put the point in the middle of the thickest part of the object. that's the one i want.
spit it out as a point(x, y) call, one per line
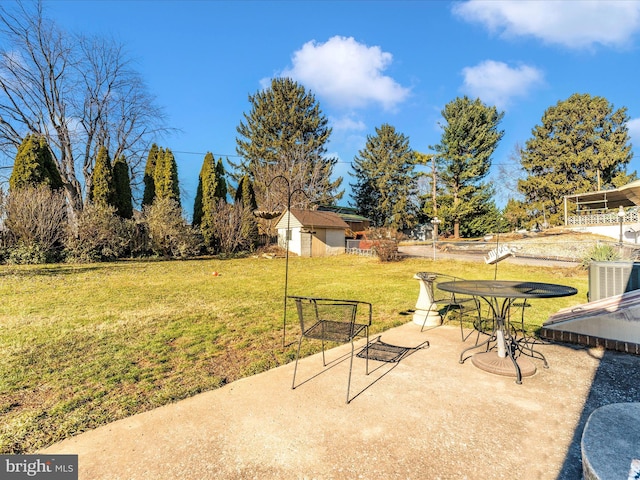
point(600, 253)
point(384, 243)
point(101, 235)
point(169, 233)
point(29, 254)
point(35, 223)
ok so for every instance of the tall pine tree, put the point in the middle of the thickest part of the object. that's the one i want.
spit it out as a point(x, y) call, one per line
point(469, 138)
point(122, 184)
point(285, 135)
point(205, 194)
point(197, 203)
point(386, 182)
point(221, 182)
point(581, 145)
point(212, 189)
point(245, 194)
point(246, 197)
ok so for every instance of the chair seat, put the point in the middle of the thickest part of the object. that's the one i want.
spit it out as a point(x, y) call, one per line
point(334, 331)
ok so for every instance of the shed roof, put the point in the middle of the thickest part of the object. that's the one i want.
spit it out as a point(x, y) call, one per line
point(315, 218)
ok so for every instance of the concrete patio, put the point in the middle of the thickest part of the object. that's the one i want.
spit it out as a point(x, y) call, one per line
point(426, 417)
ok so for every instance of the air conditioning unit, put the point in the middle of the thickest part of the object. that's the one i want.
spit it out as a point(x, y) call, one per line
point(607, 279)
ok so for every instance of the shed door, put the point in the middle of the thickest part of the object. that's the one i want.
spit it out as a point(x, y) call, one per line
point(319, 243)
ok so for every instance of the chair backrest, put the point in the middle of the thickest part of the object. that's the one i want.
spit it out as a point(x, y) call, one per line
point(434, 279)
point(440, 295)
point(312, 310)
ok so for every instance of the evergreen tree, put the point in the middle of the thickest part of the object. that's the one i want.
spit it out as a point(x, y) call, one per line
point(582, 145)
point(122, 184)
point(489, 221)
point(149, 193)
point(34, 165)
point(221, 183)
point(197, 203)
point(285, 134)
point(102, 192)
point(515, 213)
point(386, 183)
point(366, 195)
point(214, 197)
point(206, 207)
point(165, 177)
point(205, 195)
point(470, 136)
point(246, 197)
point(245, 193)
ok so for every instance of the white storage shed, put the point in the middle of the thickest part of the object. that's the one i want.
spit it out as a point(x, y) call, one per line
point(312, 233)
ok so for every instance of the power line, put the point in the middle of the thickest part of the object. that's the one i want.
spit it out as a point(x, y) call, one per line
point(201, 153)
point(343, 162)
point(235, 156)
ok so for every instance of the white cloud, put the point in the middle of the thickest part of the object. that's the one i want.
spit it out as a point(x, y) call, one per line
point(574, 24)
point(347, 73)
point(634, 130)
point(495, 83)
point(347, 124)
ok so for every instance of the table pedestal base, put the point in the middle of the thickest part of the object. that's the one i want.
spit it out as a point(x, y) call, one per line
point(428, 318)
point(492, 363)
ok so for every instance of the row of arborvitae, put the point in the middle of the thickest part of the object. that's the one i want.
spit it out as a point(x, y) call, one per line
point(40, 227)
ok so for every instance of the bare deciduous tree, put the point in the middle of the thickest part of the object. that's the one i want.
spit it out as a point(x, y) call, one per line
point(79, 92)
point(298, 177)
point(509, 174)
point(227, 227)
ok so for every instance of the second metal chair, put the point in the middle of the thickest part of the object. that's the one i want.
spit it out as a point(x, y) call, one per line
point(463, 305)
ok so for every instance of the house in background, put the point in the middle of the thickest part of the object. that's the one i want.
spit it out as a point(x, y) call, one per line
point(312, 233)
point(357, 223)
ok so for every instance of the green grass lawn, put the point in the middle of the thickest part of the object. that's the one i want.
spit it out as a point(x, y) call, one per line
point(84, 345)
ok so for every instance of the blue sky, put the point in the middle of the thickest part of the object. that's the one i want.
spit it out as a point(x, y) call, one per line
point(368, 63)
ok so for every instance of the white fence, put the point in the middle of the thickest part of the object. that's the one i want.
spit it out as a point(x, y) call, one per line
point(353, 248)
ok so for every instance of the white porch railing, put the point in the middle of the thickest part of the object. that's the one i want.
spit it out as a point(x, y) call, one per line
point(601, 218)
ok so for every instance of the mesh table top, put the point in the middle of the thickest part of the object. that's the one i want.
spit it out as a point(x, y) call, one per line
point(507, 289)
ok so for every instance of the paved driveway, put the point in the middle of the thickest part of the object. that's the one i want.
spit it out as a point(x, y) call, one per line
point(426, 251)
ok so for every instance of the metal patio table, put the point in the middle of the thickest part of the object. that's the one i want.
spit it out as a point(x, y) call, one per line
point(499, 295)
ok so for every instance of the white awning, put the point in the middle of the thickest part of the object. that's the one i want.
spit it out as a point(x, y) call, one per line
point(626, 196)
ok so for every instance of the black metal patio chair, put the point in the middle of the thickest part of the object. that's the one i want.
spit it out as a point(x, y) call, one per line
point(331, 320)
point(463, 305)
